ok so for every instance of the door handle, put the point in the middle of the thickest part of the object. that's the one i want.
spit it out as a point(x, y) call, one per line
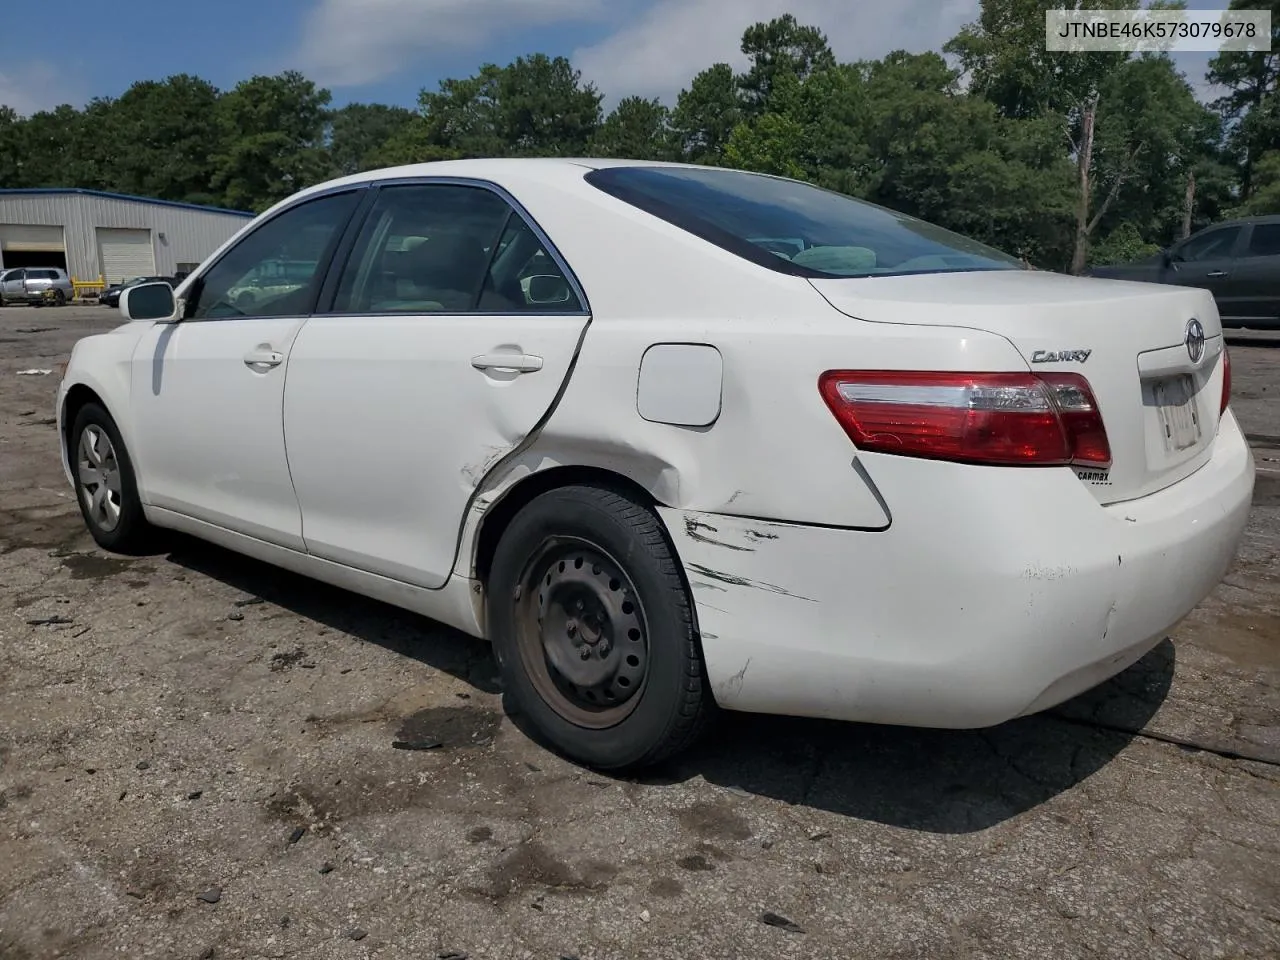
point(519, 362)
point(1216, 273)
point(263, 357)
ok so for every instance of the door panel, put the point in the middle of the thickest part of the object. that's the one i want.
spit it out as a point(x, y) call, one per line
point(1255, 286)
point(1207, 260)
point(208, 424)
point(208, 391)
point(399, 402)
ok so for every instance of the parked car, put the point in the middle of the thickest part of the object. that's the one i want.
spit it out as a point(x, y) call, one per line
point(111, 295)
point(882, 474)
point(1237, 261)
point(31, 285)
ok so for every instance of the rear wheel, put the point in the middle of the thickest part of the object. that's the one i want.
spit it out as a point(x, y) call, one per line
point(59, 298)
point(106, 487)
point(593, 629)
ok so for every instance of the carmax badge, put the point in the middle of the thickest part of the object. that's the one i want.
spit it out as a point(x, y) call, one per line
point(1060, 356)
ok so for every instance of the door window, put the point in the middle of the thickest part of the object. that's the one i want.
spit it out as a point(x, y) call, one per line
point(276, 270)
point(1212, 245)
point(445, 248)
point(1264, 241)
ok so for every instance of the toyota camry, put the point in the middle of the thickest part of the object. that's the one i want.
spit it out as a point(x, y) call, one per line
point(680, 438)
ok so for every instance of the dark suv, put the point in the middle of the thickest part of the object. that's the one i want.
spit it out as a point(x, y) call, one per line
point(1237, 261)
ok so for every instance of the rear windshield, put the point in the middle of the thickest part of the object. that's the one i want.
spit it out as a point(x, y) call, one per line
point(795, 227)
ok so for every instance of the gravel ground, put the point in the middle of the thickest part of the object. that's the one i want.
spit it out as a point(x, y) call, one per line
point(196, 761)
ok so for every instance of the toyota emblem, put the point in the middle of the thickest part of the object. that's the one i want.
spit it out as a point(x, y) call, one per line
point(1195, 341)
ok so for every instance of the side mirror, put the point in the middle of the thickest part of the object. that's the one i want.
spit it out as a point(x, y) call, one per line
point(545, 288)
point(152, 302)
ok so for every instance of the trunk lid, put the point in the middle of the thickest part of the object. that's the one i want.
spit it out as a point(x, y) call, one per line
point(1159, 402)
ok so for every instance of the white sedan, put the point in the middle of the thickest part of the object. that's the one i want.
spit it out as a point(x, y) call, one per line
point(676, 438)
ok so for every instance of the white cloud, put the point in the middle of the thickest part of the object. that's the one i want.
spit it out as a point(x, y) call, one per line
point(660, 51)
point(33, 85)
point(354, 42)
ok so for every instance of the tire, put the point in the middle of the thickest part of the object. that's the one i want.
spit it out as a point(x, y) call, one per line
point(624, 687)
point(60, 298)
point(115, 518)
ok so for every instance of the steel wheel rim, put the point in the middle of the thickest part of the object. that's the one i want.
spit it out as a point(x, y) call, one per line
point(98, 472)
point(582, 633)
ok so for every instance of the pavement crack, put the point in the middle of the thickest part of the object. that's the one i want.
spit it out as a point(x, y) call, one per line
point(1227, 753)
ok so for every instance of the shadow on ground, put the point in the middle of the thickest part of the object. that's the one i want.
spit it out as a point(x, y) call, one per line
point(408, 634)
point(939, 781)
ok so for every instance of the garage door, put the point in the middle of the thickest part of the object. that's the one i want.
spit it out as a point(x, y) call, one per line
point(125, 253)
point(23, 238)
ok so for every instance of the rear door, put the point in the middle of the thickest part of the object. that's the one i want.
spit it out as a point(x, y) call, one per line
point(1207, 260)
point(452, 325)
point(1255, 276)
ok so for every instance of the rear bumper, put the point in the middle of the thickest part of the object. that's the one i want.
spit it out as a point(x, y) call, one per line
point(994, 592)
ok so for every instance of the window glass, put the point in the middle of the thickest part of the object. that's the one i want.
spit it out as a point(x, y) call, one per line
point(7, 275)
point(524, 278)
point(796, 227)
point(424, 248)
point(1264, 241)
point(1212, 245)
point(275, 270)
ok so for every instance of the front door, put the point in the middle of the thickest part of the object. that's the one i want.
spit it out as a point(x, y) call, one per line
point(452, 329)
point(11, 285)
point(208, 391)
point(1207, 260)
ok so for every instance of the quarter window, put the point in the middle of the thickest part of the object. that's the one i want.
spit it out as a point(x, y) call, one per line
point(446, 248)
point(276, 270)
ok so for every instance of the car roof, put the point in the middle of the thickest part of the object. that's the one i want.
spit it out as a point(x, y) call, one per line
point(1243, 221)
point(562, 170)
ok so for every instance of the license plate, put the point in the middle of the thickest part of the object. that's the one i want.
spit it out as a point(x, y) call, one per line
point(1176, 406)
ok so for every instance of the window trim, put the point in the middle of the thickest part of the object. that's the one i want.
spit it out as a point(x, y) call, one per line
point(706, 230)
point(323, 266)
point(338, 265)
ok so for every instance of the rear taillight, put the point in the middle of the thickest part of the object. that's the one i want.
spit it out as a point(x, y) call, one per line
point(987, 418)
point(1226, 381)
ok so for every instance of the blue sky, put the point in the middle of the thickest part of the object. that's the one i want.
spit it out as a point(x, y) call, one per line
point(387, 50)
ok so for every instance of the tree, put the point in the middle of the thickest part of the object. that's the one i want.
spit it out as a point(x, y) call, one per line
point(1250, 79)
point(782, 47)
point(358, 132)
point(164, 137)
point(1004, 54)
point(272, 134)
point(706, 114)
point(534, 106)
point(635, 130)
point(11, 148)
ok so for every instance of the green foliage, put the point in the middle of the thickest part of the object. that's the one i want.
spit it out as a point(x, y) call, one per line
point(359, 132)
point(992, 148)
point(706, 114)
point(637, 129)
point(1265, 196)
point(1121, 245)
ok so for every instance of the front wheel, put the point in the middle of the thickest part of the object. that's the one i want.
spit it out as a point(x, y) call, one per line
point(106, 487)
point(593, 629)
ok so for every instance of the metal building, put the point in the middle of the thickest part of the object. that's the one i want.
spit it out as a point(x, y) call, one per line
point(108, 237)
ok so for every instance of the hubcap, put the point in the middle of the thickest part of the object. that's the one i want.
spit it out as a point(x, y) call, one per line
point(99, 474)
point(582, 633)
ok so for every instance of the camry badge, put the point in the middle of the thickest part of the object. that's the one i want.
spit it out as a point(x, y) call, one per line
point(1195, 340)
point(1060, 356)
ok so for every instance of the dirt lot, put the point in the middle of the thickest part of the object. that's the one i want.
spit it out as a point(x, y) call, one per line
point(196, 761)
